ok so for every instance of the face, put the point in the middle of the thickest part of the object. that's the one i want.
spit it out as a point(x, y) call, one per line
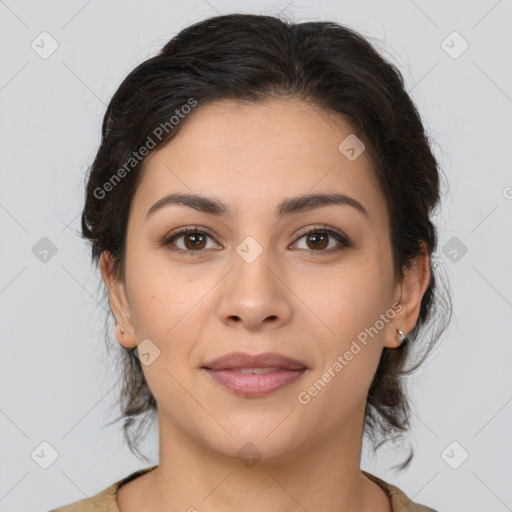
point(258, 278)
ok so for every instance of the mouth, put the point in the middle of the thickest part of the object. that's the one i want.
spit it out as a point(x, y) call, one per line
point(255, 382)
point(255, 375)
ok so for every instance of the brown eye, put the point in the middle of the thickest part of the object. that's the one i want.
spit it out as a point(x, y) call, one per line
point(319, 240)
point(190, 241)
point(194, 241)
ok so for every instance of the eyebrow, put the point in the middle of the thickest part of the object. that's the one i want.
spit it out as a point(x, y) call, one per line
point(289, 206)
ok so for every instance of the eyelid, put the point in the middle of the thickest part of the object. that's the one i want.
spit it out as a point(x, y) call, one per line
point(323, 228)
point(343, 239)
point(184, 231)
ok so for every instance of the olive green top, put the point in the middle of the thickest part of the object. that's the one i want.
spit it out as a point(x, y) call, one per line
point(106, 499)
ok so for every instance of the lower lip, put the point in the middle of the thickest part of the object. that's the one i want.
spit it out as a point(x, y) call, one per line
point(252, 384)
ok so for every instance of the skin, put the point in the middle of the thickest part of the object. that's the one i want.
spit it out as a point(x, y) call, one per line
point(308, 307)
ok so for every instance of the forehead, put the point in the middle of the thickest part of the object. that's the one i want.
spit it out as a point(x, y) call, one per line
point(255, 154)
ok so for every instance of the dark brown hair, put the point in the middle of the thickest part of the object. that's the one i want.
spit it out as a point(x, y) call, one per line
point(253, 58)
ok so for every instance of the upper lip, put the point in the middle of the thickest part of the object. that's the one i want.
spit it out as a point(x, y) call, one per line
point(242, 360)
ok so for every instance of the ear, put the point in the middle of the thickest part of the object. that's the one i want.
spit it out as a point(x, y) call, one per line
point(409, 293)
point(118, 303)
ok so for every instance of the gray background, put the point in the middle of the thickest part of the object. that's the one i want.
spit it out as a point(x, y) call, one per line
point(57, 380)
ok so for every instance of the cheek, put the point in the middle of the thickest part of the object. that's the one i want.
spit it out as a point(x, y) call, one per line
point(345, 301)
point(161, 296)
point(352, 313)
point(348, 350)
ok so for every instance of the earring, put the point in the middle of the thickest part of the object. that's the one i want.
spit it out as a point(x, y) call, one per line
point(122, 330)
point(402, 337)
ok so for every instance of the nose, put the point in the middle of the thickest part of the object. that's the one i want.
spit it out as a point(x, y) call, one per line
point(254, 295)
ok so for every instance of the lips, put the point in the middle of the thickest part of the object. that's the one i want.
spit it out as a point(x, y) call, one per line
point(254, 376)
point(240, 360)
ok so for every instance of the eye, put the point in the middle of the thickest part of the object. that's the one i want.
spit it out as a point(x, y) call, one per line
point(318, 240)
point(193, 240)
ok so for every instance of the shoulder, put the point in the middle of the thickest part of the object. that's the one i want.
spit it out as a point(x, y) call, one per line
point(400, 502)
point(104, 500)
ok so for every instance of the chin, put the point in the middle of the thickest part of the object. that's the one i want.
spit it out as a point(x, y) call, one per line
point(253, 446)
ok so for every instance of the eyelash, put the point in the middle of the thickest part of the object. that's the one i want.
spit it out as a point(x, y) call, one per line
point(340, 237)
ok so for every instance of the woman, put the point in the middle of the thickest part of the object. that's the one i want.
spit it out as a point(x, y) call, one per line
point(260, 210)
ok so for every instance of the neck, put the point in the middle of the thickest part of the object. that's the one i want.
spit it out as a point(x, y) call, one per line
point(192, 477)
